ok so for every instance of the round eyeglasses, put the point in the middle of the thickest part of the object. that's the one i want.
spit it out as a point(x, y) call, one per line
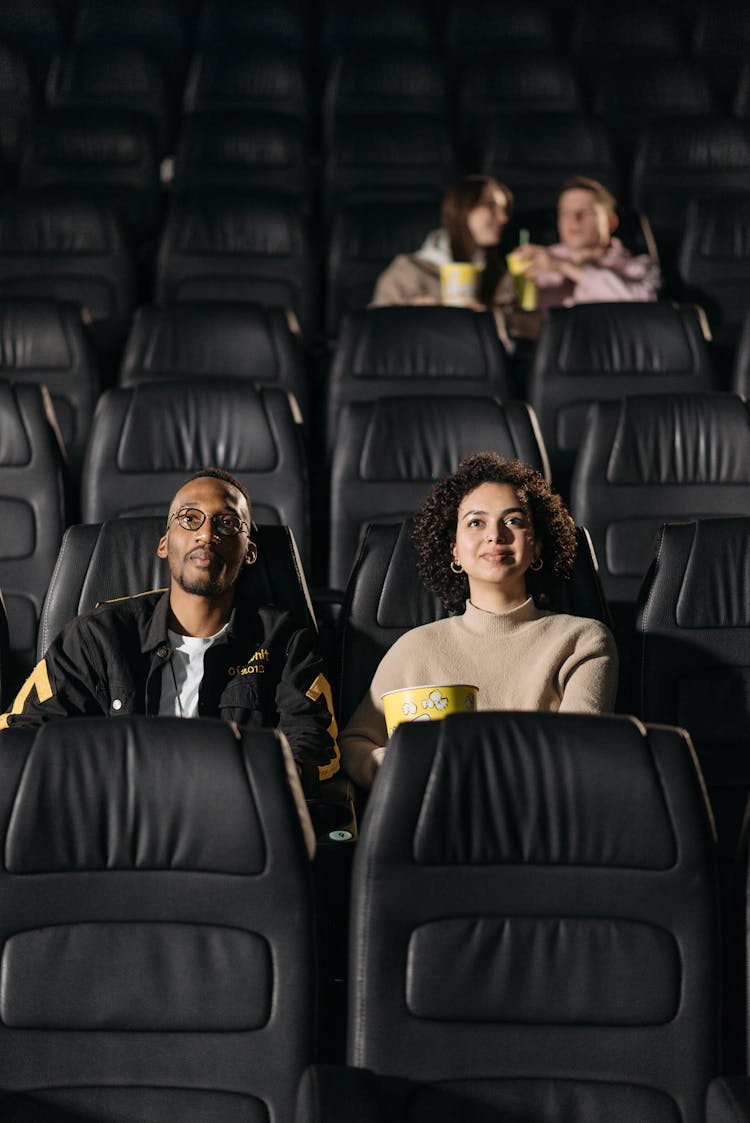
point(225, 525)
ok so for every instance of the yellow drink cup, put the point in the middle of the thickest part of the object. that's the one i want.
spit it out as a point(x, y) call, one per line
point(525, 286)
point(458, 283)
point(428, 703)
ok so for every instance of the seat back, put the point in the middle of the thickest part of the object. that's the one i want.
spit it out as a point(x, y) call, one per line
point(536, 152)
point(71, 250)
point(533, 918)
point(645, 461)
point(224, 22)
point(154, 26)
point(227, 246)
point(693, 653)
point(202, 341)
point(32, 506)
point(162, 968)
point(44, 341)
point(483, 28)
point(714, 262)
point(103, 561)
point(146, 440)
point(406, 351)
point(248, 76)
point(596, 352)
point(385, 598)
point(389, 452)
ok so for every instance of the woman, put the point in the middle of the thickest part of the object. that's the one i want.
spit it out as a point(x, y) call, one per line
point(474, 214)
point(489, 539)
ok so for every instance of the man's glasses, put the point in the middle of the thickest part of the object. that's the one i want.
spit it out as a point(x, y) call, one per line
point(225, 525)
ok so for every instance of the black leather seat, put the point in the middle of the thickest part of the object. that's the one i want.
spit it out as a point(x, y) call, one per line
point(645, 461)
point(485, 28)
point(32, 505)
point(604, 351)
point(199, 341)
point(155, 967)
point(514, 82)
point(389, 452)
point(741, 371)
point(385, 598)
point(364, 239)
point(252, 151)
point(534, 922)
point(45, 342)
point(406, 351)
point(721, 41)
point(248, 76)
point(685, 158)
point(638, 30)
point(154, 26)
point(714, 262)
point(35, 29)
point(71, 250)
point(113, 76)
point(103, 561)
point(537, 152)
point(666, 87)
point(104, 154)
point(222, 246)
point(380, 155)
point(389, 23)
point(693, 665)
point(383, 80)
point(222, 22)
point(18, 106)
point(146, 440)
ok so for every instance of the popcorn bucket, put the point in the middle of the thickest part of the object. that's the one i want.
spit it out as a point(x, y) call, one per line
point(458, 283)
point(428, 703)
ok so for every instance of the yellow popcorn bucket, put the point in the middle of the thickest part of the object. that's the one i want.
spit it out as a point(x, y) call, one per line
point(428, 703)
point(458, 283)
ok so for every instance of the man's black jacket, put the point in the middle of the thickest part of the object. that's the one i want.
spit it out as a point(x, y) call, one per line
point(262, 671)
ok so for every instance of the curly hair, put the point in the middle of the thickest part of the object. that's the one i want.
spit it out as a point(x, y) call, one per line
point(434, 529)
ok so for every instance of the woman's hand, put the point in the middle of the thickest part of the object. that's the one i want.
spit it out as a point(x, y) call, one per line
point(424, 300)
point(378, 755)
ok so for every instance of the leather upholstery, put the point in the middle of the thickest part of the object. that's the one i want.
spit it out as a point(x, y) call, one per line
point(18, 103)
point(263, 152)
point(741, 372)
point(155, 967)
point(198, 341)
point(385, 598)
point(225, 21)
point(146, 440)
point(106, 154)
point(112, 76)
point(99, 562)
point(154, 26)
point(247, 76)
point(389, 452)
point(728, 1100)
point(233, 246)
point(364, 239)
point(378, 153)
point(407, 351)
point(683, 158)
point(68, 249)
point(43, 341)
point(694, 652)
point(604, 351)
point(33, 514)
point(533, 918)
point(536, 152)
point(645, 461)
point(713, 263)
point(636, 32)
point(387, 24)
point(483, 27)
point(517, 82)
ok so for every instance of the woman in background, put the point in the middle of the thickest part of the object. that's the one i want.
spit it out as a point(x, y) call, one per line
point(490, 537)
point(474, 214)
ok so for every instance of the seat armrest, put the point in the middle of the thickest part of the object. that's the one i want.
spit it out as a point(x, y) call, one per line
point(728, 1100)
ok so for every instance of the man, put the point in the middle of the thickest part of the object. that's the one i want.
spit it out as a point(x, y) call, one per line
point(203, 647)
point(588, 264)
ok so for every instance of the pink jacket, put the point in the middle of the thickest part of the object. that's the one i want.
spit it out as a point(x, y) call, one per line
point(617, 276)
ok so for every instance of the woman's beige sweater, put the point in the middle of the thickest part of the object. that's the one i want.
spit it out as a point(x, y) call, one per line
point(526, 659)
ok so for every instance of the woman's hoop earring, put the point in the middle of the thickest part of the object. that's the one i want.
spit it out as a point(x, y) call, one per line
point(456, 567)
point(536, 565)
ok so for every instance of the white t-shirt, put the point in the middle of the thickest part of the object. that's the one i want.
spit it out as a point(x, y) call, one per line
point(182, 676)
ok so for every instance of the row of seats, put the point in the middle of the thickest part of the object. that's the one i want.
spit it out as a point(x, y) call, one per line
point(502, 959)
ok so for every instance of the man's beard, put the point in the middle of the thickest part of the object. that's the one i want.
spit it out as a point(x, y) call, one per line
point(213, 587)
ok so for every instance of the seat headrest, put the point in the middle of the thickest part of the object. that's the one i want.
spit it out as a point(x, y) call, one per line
point(681, 439)
point(236, 224)
point(95, 795)
point(626, 338)
point(15, 449)
point(538, 789)
point(431, 342)
point(46, 223)
point(217, 340)
point(715, 589)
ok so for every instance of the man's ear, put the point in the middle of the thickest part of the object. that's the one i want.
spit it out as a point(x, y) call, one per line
point(161, 549)
point(252, 554)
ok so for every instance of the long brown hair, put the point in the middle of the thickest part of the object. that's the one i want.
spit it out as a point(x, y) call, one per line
point(460, 198)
